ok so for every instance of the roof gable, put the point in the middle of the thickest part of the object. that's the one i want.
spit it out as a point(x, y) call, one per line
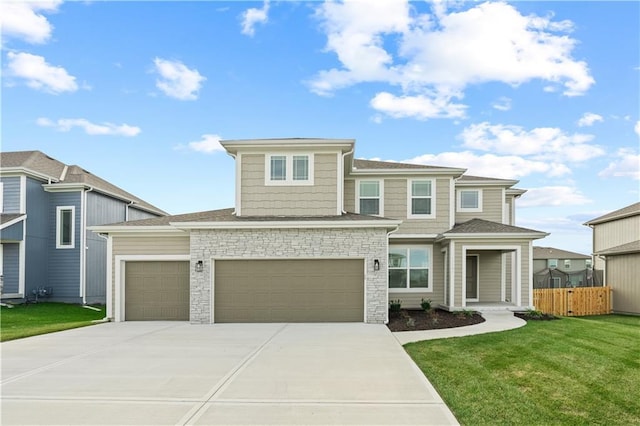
point(554, 253)
point(632, 210)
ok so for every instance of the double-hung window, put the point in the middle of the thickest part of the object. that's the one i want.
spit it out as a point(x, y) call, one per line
point(552, 263)
point(410, 268)
point(469, 200)
point(65, 227)
point(567, 264)
point(370, 198)
point(289, 169)
point(421, 199)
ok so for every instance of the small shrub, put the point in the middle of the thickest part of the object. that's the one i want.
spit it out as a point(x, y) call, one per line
point(411, 322)
point(466, 313)
point(395, 305)
point(426, 305)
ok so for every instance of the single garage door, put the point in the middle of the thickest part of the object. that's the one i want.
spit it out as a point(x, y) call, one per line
point(156, 291)
point(289, 290)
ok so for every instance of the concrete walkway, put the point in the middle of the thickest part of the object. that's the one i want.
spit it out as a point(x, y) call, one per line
point(494, 321)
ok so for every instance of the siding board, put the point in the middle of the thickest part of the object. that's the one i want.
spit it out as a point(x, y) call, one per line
point(37, 259)
point(11, 195)
point(10, 267)
point(64, 264)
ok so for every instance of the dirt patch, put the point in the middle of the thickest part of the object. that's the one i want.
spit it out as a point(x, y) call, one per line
point(417, 319)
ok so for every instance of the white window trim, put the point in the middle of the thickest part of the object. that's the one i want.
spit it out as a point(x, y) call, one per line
point(288, 181)
point(380, 197)
point(59, 210)
point(429, 289)
point(410, 198)
point(461, 209)
point(567, 264)
point(549, 264)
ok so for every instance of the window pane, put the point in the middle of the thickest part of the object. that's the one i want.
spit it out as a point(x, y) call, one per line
point(421, 206)
point(567, 263)
point(368, 206)
point(300, 167)
point(397, 278)
point(65, 227)
point(552, 263)
point(369, 189)
point(278, 167)
point(421, 188)
point(419, 278)
point(418, 258)
point(397, 257)
point(469, 199)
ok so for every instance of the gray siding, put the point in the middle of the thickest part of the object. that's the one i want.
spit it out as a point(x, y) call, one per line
point(14, 232)
point(37, 237)
point(64, 264)
point(490, 275)
point(612, 234)
point(11, 195)
point(319, 199)
point(102, 209)
point(623, 272)
point(10, 267)
point(350, 195)
point(135, 214)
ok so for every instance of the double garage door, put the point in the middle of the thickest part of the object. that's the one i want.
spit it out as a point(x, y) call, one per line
point(326, 290)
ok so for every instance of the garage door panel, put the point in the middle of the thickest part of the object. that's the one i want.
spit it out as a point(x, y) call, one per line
point(289, 290)
point(157, 291)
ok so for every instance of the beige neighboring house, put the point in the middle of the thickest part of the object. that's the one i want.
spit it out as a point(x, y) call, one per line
point(616, 250)
point(316, 235)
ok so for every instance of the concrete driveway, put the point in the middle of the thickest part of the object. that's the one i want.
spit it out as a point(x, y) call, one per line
point(176, 373)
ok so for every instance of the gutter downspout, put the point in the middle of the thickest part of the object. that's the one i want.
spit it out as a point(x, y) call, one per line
point(386, 321)
point(109, 277)
point(126, 211)
point(344, 212)
point(237, 183)
point(83, 246)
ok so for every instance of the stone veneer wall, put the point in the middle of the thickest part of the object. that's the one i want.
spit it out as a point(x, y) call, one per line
point(367, 243)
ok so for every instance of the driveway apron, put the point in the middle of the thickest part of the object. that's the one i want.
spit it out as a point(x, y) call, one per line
point(177, 373)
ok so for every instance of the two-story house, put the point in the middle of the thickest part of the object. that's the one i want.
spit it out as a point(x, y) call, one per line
point(316, 235)
point(46, 250)
point(556, 268)
point(616, 251)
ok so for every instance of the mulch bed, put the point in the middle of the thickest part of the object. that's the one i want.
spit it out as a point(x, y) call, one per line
point(537, 316)
point(417, 319)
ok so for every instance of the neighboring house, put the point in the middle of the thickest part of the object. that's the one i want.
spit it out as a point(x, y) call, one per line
point(317, 235)
point(555, 268)
point(616, 249)
point(47, 206)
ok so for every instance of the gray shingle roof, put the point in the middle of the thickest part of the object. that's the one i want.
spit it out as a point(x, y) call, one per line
point(632, 247)
point(632, 210)
point(361, 164)
point(554, 253)
point(38, 161)
point(481, 226)
point(470, 179)
point(8, 217)
point(226, 215)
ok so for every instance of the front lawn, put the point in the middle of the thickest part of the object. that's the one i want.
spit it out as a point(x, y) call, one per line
point(41, 318)
point(574, 371)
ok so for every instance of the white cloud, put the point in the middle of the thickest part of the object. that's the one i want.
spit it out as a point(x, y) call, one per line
point(39, 74)
point(506, 167)
point(25, 20)
point(252, 17)
point(66, 124)
point(209, 144)
point(588, 119)
point(444, 52)
point(553, 196)
point(421, 107)
point(636, 128)
point(178, 81)
point(627, 165)
point(502, 104)
point(540, 143)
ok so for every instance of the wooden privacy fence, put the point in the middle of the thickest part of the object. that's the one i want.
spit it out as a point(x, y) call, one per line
point(573, 302)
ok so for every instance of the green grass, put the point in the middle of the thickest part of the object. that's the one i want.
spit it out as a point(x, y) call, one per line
point(41, 318)
point(573, 371)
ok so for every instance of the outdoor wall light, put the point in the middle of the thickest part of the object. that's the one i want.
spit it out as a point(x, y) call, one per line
point(199, 266)
point(376, 265)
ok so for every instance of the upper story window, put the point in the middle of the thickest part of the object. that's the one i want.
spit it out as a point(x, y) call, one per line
point(587, 263)
point(289, 169)
point(421, 203)
point(65, 229)
point(469, 200)
point(552, 263)
point(410, 268)
point(369, 197)
point(567, 264)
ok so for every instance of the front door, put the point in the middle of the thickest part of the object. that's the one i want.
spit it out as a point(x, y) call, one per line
point(472, 278)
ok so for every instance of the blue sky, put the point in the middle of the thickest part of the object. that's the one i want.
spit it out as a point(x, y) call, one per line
point(139, 93)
